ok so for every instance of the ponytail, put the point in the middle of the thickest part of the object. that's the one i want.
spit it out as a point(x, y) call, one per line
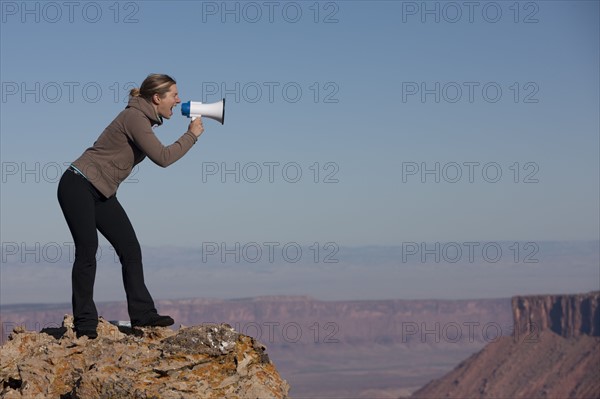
point(153, 84)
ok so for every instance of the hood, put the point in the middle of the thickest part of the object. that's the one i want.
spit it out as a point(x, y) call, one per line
point(146, 107)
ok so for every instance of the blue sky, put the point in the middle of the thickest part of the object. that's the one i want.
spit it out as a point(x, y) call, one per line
point(355, 121)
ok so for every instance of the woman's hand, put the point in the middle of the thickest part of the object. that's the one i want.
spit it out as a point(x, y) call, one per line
point(196, 127)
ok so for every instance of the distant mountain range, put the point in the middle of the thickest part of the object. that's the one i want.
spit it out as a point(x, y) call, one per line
point(527, 346)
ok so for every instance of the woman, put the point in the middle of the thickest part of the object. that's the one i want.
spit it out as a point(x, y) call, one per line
point(87, 197)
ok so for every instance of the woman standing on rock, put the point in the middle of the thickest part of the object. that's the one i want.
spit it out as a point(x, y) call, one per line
point(87, 197)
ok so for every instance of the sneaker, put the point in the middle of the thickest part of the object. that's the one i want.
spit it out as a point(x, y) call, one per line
point(155, 321)
point(91, 334)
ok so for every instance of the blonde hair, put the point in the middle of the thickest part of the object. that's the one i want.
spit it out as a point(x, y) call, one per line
point(153, 84)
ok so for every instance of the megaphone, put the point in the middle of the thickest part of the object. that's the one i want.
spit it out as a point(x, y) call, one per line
point(196, 109)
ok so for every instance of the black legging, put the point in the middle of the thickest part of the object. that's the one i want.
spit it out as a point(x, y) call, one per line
point(85, 210)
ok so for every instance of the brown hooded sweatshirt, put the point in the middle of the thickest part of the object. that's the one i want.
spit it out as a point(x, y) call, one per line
point(126, 142)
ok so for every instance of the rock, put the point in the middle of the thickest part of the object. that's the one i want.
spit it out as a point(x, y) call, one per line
point(565, 315)
point(554, 354)
point(206, 361)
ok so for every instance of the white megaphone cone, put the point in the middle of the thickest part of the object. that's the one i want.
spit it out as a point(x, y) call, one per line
point(196, 109)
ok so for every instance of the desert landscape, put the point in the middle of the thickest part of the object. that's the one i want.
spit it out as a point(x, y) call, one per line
point(395, 348)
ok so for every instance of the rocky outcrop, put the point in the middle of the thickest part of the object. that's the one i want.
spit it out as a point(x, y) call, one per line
point(556, 355)
point(206, 361)
point(565, 315)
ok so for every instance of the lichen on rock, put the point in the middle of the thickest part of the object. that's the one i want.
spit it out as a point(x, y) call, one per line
point(207, 361)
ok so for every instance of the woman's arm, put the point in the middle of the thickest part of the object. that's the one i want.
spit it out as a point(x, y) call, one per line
point(140, 131)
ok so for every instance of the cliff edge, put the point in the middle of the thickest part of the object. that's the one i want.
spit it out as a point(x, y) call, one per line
point(207, 361)
point(565, 315)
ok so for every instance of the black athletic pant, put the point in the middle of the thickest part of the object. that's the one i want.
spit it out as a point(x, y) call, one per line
point(85, 210)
